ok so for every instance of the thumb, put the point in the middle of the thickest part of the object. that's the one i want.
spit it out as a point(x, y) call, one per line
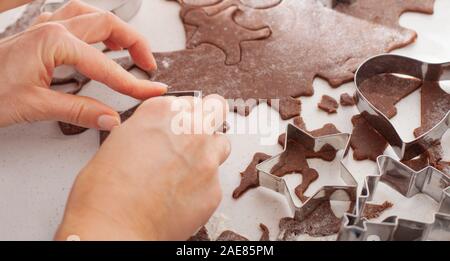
point(78, 110)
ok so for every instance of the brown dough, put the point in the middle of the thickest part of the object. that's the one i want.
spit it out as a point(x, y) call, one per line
point(32, 11)
point(70, 129)
point(386, 12)
point(242, 5)
point(347, 100)
point(434, 155)
point(265, 233)
point(231, 236)
point(294, 160)
point(299, 122)
point(372, 211)
point(327, 153)
point(287, 107)
point(366, 142)
point(384, 91)
point(418, 163)
point(321, 222)
point(328, 104)
point(444, 166)
point(435, 103)
point(201, 235)
point(431, 157)
point(327, 129)
point(220, 30)
point(228, 235)
point(301, 47)
point(123, 117)
point(285, 64)
point(250, 178)
point(212, 7)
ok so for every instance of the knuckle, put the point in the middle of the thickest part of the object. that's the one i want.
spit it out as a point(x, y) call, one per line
point(43, 17)
point(77, 111)
point(52, 28)
point(73, 6)
point(108, 16)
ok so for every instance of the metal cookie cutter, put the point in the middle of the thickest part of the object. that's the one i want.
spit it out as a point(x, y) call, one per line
point(408, 182)
point(125, 9)
point(395, 64)
point(346, 193)
point(124, 115)
point(196, 94)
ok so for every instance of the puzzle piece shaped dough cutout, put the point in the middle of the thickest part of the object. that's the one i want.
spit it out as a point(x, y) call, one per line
point(220, 30)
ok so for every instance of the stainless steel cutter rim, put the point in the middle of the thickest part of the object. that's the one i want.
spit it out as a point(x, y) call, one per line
point(356, 227)
point(278, 184)
point(422, 71)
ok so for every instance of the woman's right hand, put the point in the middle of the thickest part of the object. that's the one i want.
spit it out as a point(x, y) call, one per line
point(149, 182)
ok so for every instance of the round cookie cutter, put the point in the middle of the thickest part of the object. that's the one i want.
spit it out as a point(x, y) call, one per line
point(125, 9)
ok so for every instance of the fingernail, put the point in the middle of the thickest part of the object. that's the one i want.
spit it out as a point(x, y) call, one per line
point(107, 122)
point(161, 85)
point(153, 64)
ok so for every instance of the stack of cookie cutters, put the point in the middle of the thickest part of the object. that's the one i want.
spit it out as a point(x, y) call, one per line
point(392, 172)
point(125, 9)
point(400, 177)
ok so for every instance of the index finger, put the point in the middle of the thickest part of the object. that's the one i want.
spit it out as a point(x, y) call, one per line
point(100, 27)
point(68, 49)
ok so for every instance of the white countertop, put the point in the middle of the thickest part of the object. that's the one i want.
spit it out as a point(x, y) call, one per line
point(38, 164)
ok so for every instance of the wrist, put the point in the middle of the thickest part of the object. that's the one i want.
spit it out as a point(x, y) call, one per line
point(102, 212)
point(91, 225)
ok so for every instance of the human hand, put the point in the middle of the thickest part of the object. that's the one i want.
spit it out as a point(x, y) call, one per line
point(147, 182)
point(29, 59)
point(6, 5)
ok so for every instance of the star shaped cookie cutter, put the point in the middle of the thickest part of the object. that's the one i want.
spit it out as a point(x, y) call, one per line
point(408, 182)
point(344, 193)
point(125, 9)
point(396, 64)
